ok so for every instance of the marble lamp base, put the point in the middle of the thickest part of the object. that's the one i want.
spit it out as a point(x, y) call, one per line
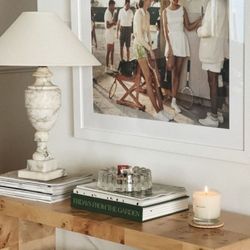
point(40, 176)
point(43, 166)
point(42, 101)
point(42, 170)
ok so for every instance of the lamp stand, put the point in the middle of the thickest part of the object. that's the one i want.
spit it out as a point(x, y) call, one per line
point(42, 101)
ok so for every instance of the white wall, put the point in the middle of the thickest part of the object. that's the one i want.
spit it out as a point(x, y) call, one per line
point(11, 9)
point(16, 138)
point(16, 133)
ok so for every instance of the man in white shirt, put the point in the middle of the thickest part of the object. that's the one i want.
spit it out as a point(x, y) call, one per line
point(125, 20)
point(110, 26)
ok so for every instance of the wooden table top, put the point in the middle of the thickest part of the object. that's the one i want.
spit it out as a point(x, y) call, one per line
point(170, 233)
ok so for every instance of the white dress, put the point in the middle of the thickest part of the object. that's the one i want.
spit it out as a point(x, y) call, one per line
point(176, 33)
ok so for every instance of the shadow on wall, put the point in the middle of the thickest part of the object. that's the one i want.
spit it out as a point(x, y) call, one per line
point(16, 132)
point(10, 10)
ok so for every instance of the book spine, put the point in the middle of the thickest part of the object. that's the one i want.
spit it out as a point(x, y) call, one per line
point(112, 208)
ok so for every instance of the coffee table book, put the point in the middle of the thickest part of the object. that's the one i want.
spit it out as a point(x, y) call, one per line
point(128, 211)
point(45, 191)
point(159, 193)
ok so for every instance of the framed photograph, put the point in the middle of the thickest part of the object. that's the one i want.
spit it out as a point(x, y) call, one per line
point(112, 105)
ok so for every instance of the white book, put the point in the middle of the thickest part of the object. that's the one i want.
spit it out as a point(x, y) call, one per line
point(128, 211)
point(56, 187)
point(33, 196)
point(160, 193)
point(163, 209)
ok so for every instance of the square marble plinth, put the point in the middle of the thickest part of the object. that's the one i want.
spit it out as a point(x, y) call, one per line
point(41, 176)
point(42, 166)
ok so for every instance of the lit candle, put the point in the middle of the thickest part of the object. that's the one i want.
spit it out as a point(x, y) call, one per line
point(206, 205)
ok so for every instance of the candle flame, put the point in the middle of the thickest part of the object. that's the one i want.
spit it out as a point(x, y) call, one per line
point(206, 189)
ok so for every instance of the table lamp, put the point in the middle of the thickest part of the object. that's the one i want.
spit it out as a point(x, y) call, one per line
point(42, 39)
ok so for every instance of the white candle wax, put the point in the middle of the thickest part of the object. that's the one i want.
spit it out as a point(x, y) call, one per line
point(206, 205)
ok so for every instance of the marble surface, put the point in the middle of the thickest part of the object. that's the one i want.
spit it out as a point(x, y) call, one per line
point(35, 175)
point(42, 166)
point(42, 101)
point(75, 241)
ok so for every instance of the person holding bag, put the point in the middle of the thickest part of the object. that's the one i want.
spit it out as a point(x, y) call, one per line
point(175, 20)
point(142, 47)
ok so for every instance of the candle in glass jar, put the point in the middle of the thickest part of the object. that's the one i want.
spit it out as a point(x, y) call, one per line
point(206, 204)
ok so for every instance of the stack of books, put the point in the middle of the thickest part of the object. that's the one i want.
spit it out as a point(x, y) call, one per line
point(160, 201)
point(49, 191)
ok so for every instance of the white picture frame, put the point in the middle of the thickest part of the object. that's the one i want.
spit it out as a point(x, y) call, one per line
point(231, 144)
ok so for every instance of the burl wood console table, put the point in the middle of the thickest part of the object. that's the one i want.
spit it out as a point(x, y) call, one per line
point(30, 225)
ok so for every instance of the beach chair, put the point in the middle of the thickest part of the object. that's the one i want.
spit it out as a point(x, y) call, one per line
point(134, 86)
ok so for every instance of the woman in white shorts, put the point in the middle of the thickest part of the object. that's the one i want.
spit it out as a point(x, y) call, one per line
point(110, 31)
point(175, 20)
point(212, 53)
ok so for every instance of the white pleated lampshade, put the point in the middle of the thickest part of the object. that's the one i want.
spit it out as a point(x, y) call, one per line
point(42, 39)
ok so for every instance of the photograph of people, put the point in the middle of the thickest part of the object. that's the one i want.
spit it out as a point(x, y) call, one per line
point(175, 19)
point(162, 60)
point(143, 47)
point(110, 26)
point(124, 26)
point(214, 34)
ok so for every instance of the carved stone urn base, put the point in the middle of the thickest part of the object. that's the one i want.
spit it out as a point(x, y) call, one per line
point(35, 175)
point(42, 101)
point(41, 170)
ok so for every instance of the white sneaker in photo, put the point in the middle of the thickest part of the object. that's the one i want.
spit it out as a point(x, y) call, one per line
point(169, 116)
point(210, 121)
point(111, 68)
point(161, 116)
point(220, 116)
point(106, 69)
point(175, 106)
